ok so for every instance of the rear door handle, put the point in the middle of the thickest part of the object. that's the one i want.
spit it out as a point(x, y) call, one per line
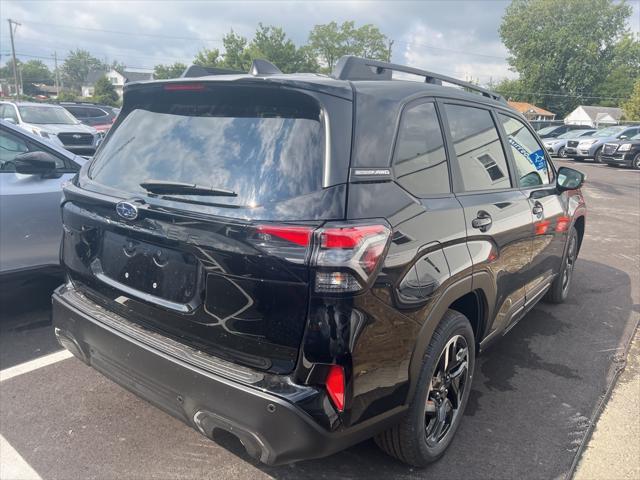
point(482, 222)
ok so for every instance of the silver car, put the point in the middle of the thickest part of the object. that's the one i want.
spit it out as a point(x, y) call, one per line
point(53, 123)
point(32, 172)
point(556, 146)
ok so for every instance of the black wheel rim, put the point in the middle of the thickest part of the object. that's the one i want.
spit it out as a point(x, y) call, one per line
point(569, 264)
point(447, 388)
point(563, 154)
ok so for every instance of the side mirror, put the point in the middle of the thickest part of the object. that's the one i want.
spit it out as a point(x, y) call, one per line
point(35, 163)
point(623, 137)
point(10, 120)
point(569, 179)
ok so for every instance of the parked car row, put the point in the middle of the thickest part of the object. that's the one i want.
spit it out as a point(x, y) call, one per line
point(616, 145)
point(77, 127)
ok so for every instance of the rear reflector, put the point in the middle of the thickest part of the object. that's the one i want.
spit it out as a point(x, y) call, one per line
point(335, 386)
point(184, 87)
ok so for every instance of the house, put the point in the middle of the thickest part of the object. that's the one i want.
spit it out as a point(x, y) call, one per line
point(531, 112)
point(116, 78)
point(594, 116)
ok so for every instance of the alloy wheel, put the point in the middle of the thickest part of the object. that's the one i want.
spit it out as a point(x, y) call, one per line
point(636, 162)
point(446, 390)
point(562, 153)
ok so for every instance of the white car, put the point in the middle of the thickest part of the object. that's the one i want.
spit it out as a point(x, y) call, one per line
point(53, 123)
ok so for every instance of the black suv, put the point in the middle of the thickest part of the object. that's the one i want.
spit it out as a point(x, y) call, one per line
point(308, 261)
point(100, 117)
point(622, 153)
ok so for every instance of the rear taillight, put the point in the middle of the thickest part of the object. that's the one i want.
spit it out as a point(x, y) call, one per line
point(346, 255)
point(335, 385)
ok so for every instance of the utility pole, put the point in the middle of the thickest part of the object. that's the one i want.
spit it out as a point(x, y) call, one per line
point(13, 53)
point(389, 51)
point(57, 78)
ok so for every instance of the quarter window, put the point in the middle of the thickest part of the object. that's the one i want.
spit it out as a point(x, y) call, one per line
point(420, 163)
point(531, 165)
point(481, 158)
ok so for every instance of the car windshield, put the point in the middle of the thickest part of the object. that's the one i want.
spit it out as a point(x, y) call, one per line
point(608, 132)
point(635, 137)
point(544, 130)
point(573, 134)
point(46, 115)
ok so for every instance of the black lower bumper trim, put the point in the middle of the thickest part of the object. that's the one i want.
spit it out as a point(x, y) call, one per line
point(272, 430)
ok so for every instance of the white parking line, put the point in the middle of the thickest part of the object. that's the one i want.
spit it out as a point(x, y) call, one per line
point(12, 465)
point(32, 365)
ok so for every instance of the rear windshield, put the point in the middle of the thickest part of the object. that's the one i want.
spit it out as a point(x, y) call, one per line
point(46, 115)
point(266, 147)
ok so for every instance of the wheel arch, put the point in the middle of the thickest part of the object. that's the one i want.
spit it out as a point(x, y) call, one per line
point(461, 297)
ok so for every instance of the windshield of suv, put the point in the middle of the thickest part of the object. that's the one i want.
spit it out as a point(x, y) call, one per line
point(544, 130)
point(608, 132)
point(262, 154)
point(573, 133)
point(46, 114)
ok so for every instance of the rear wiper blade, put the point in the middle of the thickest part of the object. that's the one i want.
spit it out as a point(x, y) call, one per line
point(162, 187)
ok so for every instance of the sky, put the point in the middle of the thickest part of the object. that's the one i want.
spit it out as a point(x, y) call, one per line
point(457, 38)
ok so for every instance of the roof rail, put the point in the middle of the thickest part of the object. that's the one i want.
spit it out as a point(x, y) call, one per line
point(357, 68)
point(193, 71)
point(263, 67)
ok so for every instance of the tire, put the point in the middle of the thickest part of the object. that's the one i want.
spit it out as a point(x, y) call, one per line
point(635, 164)
point(560, 287)
point(421, 438)
point(562, 153)
point(597, 156)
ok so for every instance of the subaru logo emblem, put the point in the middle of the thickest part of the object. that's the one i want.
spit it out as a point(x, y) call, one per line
point(127, 210)
point(77, 136)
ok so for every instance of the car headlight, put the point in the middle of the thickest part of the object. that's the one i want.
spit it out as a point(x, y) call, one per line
point(625, 147)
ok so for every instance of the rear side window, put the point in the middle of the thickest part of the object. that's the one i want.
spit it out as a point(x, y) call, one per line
point(265, 147)
point(420, 162)
point(481, 159)
point(530, 163)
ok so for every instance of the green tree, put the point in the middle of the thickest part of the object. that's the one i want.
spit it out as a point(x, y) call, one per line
point(162, 72)
point(207, 58)
point(331, 41)
point(632, 106)
point(105, 93)
point(34, 71)
point(67, 96)
point(271, 43)
point(6, 72)
point(236, 56)
point(77, 66)
point(624, 70)
point(564, 47)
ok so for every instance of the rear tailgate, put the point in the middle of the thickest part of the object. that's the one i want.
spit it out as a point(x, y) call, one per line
point(226, 275)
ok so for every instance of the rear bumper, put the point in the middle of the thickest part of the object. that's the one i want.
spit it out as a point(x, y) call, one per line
point(273, 430)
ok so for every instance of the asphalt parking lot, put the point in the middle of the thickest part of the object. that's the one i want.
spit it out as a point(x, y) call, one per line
point(534, 399)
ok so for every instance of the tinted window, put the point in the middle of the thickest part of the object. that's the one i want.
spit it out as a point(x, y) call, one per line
point(480, 155)
point(262, 154)
point(10, 146)
point(86, 112)
point(531, 165)
point(420, 161)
